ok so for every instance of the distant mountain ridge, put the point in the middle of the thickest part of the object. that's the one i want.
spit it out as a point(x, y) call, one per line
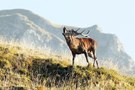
point(24, 26)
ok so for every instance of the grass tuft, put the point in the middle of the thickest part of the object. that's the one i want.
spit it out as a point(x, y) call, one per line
point(27, 69)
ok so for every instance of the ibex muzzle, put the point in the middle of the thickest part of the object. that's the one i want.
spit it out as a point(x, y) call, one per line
point(86, 46)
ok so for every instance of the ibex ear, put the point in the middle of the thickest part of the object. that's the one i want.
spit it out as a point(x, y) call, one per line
point(64, 30)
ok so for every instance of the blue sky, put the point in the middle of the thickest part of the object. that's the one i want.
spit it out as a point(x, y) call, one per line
point(113, 16)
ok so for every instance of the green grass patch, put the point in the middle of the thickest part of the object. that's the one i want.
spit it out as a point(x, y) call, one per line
point(21, 68)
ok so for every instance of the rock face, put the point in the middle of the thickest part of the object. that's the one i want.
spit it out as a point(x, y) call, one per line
point(24, 26)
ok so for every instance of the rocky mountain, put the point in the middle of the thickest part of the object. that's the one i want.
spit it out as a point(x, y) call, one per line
point(26, 27)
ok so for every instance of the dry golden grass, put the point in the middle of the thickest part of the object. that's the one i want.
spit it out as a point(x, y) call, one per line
point(30, 68)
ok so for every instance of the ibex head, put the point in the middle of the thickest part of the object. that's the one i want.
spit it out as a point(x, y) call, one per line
point(67, 34)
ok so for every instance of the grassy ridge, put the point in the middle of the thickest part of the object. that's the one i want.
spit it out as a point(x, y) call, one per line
point(25, 69)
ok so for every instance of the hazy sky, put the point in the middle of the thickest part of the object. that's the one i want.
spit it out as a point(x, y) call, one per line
point(113, 16)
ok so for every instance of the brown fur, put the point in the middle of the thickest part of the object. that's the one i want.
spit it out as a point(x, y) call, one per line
point(86, 46)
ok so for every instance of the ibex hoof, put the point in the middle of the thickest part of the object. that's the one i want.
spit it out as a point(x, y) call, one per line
point(88, 65)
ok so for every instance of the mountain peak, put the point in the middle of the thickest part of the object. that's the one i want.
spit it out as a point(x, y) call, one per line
point(35, 30)
point(95, 26)
point(14, 11)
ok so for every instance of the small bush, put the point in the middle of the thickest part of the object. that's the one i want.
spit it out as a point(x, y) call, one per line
point(5, 64)
point(22, 71)
point(17, 88)
point(37, 72)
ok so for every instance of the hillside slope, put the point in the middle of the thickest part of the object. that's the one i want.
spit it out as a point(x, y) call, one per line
point(25, 27)
point(28, 69)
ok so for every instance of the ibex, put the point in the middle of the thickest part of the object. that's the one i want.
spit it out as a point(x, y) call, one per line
point(86, 46)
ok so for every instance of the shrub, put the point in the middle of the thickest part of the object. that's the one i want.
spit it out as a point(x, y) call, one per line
point(5, 64)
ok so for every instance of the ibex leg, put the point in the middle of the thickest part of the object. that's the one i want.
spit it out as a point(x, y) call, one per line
point(95, 58)
point(86, 58)
point(73, 59)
